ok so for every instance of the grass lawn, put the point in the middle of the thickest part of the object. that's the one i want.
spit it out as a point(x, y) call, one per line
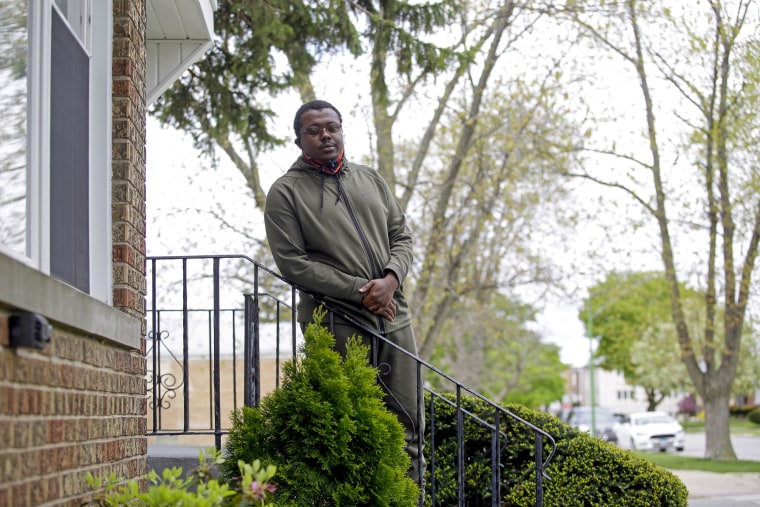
point(738, 427)
point(677, 462)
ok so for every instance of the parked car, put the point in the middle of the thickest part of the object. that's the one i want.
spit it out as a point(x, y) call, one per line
point(651, 431)
point(605, 422)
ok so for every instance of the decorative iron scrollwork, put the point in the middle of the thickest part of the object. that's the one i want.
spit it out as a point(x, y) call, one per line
point(167, 383)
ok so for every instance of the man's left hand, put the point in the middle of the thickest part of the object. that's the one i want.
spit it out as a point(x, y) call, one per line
point(378, 296)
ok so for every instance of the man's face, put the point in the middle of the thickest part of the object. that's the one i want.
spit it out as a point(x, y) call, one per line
point(321, 136)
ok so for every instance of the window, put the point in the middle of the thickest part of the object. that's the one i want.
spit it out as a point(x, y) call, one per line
point(69, 154)
point(625, 395)
point(77, 16)
point(55, 154)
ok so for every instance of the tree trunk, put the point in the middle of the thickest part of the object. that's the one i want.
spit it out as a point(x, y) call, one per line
point(439, 229)
point(717, 435)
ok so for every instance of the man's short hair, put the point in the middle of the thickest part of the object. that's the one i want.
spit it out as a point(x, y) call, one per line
point(314, 105)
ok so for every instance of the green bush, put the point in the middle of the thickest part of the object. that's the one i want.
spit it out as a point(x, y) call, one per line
point(584, 471)
point(754, 415)
point(741, 411)
point(327, 431)
point(198, 489)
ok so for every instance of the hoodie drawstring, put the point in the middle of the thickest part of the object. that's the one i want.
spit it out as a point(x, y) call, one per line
point(325, 167)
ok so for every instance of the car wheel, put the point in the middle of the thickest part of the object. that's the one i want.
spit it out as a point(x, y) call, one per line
point(633, 444)
point(679, 449)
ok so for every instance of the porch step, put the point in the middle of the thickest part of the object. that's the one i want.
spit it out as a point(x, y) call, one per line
point(163, 456)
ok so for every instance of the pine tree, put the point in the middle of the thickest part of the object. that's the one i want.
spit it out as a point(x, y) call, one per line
point(327, 431)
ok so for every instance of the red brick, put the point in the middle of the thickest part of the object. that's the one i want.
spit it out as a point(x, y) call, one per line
point(20, 494)
point(56, 431)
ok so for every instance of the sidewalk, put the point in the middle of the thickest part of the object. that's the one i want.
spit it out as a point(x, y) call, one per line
point(707, 484)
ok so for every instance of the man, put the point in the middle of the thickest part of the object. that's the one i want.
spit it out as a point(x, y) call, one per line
point(336, 229)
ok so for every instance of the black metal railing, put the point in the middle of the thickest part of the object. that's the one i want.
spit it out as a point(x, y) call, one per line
point(233, 337)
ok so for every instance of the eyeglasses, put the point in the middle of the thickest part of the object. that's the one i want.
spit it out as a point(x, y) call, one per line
point(314, 131)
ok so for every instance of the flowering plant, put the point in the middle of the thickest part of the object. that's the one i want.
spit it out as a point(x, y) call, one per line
point(255, 487)
point(198, 489)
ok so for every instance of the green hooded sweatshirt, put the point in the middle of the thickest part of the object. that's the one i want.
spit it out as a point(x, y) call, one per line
point(331, 234)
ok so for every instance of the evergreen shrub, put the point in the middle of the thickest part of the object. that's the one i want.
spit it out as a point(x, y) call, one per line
point(584, 471)
point(327, 431)
point(741, 411)
point(754, 415)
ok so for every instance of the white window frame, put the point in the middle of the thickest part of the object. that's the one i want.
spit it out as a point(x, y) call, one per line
point(97, 40)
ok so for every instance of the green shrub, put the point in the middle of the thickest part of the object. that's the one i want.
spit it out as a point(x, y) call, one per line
point(584, 471)
point(198, 489)
point(327, 431)
point(741, 411)
point(754, 415)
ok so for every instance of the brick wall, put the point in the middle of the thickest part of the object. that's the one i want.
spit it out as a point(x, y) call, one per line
point(76, 406)
point(128, 196)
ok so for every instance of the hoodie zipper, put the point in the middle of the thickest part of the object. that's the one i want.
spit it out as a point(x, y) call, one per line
point(362, 238)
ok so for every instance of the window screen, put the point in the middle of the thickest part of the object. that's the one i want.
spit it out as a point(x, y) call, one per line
point(69, 157)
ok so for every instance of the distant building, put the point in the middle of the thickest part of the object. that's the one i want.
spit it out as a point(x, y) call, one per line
point(611, 391)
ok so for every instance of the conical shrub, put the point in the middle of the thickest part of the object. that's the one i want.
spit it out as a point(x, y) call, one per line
point(327, 430)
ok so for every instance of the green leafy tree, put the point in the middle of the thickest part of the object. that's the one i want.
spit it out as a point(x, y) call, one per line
point(696, 67)
point(398, 51)
point(479, 165)
point(265, 48)
point(620, 309)
point(486, 172)
point(261, 49)
point(492, 349)
point(747, 379)
point(631, 319)
point(327, 431)
point(657, 365)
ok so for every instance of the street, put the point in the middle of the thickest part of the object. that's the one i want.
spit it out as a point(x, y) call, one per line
point(746, 447)
point(727, 501)
point(722, 490)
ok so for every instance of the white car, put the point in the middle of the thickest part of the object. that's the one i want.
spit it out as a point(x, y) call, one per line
point(656, 431)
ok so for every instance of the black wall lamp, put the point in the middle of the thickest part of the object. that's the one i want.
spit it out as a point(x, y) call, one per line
point(29, 330)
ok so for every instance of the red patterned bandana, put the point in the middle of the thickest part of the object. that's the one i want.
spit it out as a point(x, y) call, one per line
point(326, 166)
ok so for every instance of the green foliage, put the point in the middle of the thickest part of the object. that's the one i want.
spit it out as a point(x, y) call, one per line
point(584, 470)
point(748, 370)
point(398, 27)
point(489, 346)
point(198, 489)
point(754, 415)
point(631, 315)
point(740, 411)
point(223, 97)
point(622, 308)
point(632, 318)
point(327, 430)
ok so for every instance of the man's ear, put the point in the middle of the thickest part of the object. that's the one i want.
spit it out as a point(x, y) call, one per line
point(298, 142)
